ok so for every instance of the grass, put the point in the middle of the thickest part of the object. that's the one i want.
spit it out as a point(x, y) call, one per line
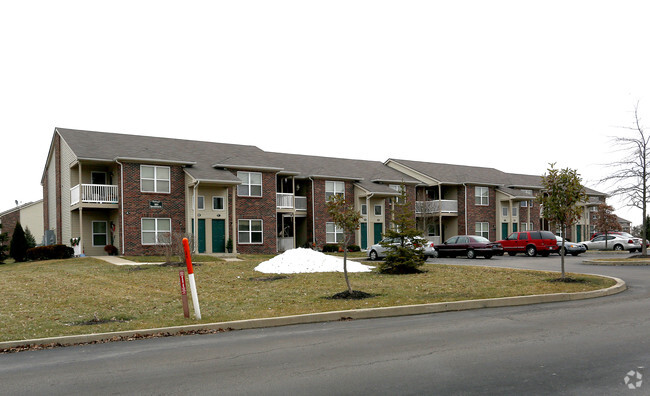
point(86, 295)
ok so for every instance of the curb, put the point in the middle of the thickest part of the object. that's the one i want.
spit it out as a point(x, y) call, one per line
point(321, 317)
point(616, 263)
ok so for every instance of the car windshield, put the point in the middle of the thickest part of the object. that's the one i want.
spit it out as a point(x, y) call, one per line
point(481, 239)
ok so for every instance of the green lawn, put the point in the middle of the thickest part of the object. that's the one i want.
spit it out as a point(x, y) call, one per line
point(86, 295)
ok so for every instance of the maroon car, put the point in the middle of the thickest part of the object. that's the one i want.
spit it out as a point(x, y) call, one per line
point(469, 246)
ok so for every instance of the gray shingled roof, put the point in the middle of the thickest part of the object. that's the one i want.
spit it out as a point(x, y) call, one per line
point(203, 157)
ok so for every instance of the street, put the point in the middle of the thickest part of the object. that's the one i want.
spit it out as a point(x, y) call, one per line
point(595, 347)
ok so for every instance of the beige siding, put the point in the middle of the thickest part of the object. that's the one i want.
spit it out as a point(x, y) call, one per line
point(67, 158)
point(32, 217)
point(51, 193)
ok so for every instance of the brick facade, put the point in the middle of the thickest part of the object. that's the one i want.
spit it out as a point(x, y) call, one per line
point(259, 208)
point(9, 222)
point(137, 205)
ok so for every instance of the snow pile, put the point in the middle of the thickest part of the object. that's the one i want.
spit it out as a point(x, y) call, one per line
point(301, 260)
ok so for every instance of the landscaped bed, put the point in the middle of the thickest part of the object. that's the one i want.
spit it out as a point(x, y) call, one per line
point(87, 295)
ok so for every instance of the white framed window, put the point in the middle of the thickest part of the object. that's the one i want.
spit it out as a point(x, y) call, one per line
point(483, 229)
point(523, 227)
point(156, 231)
point(398, 188)
point(200, 202)
point(515, 211)
point(250, 232)
point(97, 177)
point(523, 204)
point(378, 210)
point(100, 233)
point(364, 210)
point(334, 188)
point(217, 203)
point(593, 209)
point(155, 179)
point(482, 196)
point(333, 233)
point(504, 211)
point(251, 184)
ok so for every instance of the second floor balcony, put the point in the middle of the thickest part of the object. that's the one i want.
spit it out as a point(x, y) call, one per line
point(443, 206)
point(94, 193)
point(290, 201)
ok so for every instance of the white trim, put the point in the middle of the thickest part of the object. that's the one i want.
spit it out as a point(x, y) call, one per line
point(155, 231)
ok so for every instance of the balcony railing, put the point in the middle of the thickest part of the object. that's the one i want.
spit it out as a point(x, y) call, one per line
point(94, 193)
point(439, 206)
point(290, 201)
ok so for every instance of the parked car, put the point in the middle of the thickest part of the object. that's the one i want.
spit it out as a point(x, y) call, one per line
point(469, 246)
point(571, 248)
point(378, 250)
point(612, 242)
point(530, 242)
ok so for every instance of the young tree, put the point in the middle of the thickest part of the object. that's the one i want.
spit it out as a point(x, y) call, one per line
point(606, 220)
point(346, 219)
point(632, 173)
point(4, 237)
point(562, 192)
point(29, 237)
point(18, 246)
point(403, 257)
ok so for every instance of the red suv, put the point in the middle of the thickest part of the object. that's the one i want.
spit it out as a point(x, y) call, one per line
point(530, 242)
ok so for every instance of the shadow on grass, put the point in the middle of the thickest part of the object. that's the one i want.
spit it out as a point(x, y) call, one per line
point(355, 295)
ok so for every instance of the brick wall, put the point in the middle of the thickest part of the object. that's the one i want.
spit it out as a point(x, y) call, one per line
point(136, 205)
point(477, 213)
point(259, 208)
point(9, 221)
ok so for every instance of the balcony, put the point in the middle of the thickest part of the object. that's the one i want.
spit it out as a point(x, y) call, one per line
point(444, 206)
point(94, 193)
point(290, 201)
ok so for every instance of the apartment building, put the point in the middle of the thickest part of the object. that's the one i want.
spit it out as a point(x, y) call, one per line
point(136, 192)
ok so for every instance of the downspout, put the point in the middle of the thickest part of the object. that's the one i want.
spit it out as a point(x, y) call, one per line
point(121, 202)
point(466, 228)
point(195, 231)
point(440, 212)
point(368, 198)
point(313, 211)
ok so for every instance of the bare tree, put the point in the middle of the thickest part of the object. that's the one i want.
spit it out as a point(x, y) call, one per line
point(631, 174)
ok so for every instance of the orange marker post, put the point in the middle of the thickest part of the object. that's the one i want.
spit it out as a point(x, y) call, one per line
point(190, 275)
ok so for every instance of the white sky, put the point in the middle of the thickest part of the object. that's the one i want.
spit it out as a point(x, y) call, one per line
point(513, 85)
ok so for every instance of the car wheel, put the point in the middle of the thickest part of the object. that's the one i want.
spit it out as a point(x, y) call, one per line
point(511, 253)
point(618, 248)
point(531, 251)
point(435, 254)
point(471, 254)
point(373, 255)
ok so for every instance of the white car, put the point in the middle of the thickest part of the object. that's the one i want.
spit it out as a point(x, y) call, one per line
point(612, 242)
point(378, 251)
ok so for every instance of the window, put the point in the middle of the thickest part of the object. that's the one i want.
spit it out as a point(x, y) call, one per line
point(524, 227)
point(334, 233)
point(100, 233)
point(483, 229)
point(364, 209)
point(515, 211)
point(504, 211)
point(378, 210)
point(251, 184)
point(156, 231)
point(334, 188)
point(200, 202)
point(250, 231)
point(154, 179)
point(482, 196)
point(399, 188)
point(98, 178)
point(524, 204)
point(217, 203)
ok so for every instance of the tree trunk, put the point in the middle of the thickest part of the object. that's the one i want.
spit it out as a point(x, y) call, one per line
point(563, 251)
point(345, 267)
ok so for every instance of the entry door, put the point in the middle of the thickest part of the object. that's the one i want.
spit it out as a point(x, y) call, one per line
point(379, 229)
point(364, 235)
point(504, 230)
point(579, 233)
point(218, 236)
point(201, 235)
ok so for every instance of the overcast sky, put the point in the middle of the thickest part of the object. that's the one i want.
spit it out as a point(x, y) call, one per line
point(512, 85)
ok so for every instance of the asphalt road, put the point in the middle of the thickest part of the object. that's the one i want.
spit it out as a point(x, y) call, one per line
point(585, 347)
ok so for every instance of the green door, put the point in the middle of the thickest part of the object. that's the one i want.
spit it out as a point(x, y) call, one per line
point(218, 236)
point(514, 227)
point(201, 235)
point(379, 229)
point(504, 230)
point(579, 233)
point(364, 235)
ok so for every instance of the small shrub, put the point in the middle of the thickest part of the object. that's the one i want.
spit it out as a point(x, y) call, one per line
point(330, 248)
point(402, 260)
point(18, 246)
point(110, 250)
point(354, 248)
point(50, 252)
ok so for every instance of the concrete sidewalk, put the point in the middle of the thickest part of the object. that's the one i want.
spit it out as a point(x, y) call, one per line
point(120, 261)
